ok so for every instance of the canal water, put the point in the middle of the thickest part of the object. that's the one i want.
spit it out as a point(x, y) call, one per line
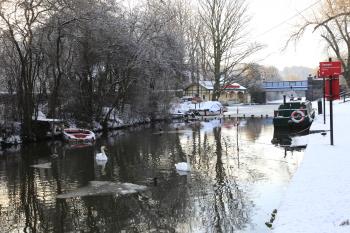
point(238, 177)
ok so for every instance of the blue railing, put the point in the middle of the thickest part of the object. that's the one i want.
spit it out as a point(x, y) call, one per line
point(286, 85)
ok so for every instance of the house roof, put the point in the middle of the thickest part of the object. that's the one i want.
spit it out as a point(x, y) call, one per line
point(235, 86)
point(209, 85)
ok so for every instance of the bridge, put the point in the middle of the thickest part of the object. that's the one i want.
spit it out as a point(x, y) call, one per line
point(276, 90)
point(286, 86)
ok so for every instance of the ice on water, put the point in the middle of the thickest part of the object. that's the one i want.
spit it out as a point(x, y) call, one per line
point(42, 166)
point(183, 173)
point(95, 188)
point(174, 132)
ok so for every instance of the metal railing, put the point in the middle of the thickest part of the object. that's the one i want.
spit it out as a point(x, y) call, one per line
point(345, 96)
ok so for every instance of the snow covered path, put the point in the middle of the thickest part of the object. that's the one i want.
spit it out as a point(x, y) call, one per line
point(318, 197)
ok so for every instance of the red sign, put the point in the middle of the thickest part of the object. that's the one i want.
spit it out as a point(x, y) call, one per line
point(232, 86)
point(335, 89)
point(330, 68)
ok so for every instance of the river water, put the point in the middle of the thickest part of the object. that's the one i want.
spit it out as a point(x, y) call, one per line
point(238, 177)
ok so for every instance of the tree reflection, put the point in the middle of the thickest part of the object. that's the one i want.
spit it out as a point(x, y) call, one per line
point(229, 201)
point(253, 128)
point(212, 198)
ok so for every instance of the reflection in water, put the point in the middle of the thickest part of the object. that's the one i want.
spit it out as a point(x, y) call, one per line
point(96, 188)
point(282, 138)
point(42, 166)
point(237, 178)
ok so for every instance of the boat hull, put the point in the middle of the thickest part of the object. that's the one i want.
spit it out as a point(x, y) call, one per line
point(78, 135)
point(296, 116)
point(286, 124)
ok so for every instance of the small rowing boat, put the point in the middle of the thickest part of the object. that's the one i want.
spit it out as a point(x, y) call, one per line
point(78, 135)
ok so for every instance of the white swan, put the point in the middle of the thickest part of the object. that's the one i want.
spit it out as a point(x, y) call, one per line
point(102, 156)
point(185, 167)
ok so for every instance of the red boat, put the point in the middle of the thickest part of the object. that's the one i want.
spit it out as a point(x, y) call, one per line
point(78, 135)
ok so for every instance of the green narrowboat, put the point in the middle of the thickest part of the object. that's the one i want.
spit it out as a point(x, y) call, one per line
point(296, 115)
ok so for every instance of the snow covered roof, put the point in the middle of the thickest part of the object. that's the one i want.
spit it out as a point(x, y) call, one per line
point(209, 85)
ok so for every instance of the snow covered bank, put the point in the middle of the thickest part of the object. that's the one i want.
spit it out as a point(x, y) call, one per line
point(183, 108)
point(10, 133)
point(318, 197)
point(119, 120)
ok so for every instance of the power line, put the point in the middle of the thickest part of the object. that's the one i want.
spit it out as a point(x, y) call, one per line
point(290, 18)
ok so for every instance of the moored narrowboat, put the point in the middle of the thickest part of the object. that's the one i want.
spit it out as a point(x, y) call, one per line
point(296, 115)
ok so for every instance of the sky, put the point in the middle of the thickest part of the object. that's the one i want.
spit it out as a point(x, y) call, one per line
point(271, 24)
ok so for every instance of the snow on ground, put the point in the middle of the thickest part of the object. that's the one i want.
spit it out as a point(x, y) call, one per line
point(40, 116)
point(118, 120)
point(319, 125)
point(12, 140)
point(300, 141)
point(182, 108)
point(318, 197)
point(243, 110)
point(275, 101)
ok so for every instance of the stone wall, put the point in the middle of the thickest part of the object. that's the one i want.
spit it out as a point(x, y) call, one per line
point(315, 90)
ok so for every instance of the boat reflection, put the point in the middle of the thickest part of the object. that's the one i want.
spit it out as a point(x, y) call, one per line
point(281, 138)
point(235, 176)
point(284, 139)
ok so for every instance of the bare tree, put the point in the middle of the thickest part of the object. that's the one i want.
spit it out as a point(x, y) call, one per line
point(58, 57)
point(271, 73)
point(93, 56)
point(332, 21)
point(19, 18)
point(158, 50)
point(225, 22)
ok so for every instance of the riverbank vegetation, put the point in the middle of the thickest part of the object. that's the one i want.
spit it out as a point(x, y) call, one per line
point(85, 61)
point(72, 59)
point(331, 20)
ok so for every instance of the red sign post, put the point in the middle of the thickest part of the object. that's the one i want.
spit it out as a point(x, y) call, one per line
point(330, 71)
point(330, 68)
point(335, 88)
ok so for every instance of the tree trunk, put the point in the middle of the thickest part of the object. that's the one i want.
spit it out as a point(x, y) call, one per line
point(217, 74)
point(27, 113)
